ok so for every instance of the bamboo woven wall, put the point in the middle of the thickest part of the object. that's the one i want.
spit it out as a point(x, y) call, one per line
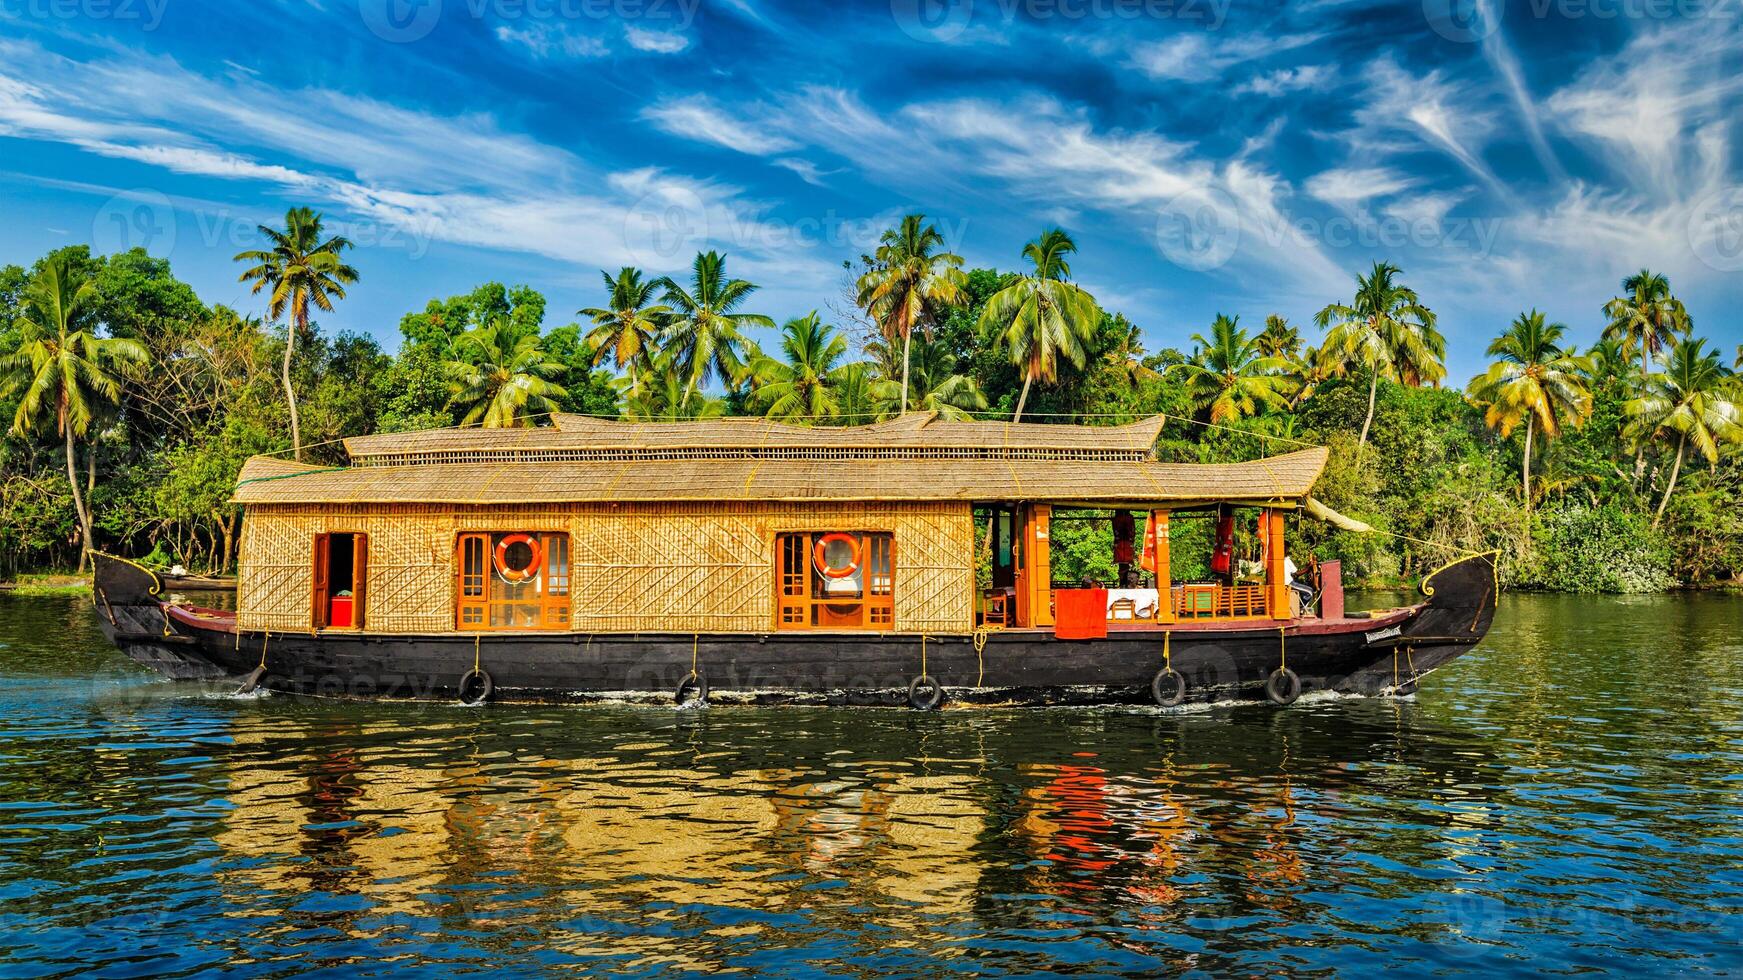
point(635, 567)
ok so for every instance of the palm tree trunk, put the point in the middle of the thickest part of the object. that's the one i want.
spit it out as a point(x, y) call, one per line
point(1530, 427)
point(78, 500)
point(1028, 376)
point(907, 340)
point(290, 393)
point(1361, 443)
point(1675, 468)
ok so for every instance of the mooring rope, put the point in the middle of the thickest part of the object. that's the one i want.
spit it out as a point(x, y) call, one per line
point(266, 639)
point(980, 638)
point(476, 638)
point(1282, 648)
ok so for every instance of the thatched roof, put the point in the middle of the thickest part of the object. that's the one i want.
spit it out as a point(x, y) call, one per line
point(914, 436)
point(725, 477)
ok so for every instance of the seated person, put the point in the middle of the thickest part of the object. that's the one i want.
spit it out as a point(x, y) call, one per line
point(1300, 593)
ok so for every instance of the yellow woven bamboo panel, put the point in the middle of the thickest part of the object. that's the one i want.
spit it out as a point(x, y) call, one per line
point(634, 568)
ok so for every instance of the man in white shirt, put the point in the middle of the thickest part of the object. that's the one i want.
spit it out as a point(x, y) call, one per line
point(1302, 593)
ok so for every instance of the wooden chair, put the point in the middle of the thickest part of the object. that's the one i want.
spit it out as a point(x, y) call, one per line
point(996, 608)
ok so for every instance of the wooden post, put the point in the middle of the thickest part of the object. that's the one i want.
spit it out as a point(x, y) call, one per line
point(1276, 582)
point(1160, 562)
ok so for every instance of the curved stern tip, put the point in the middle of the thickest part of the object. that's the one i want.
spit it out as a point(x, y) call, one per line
point(1461, 599)
point(122, 582)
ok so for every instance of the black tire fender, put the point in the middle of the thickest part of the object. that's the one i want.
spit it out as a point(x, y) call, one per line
point(1168, 687)
point(925, 693)
point(475, 686)
point(694, 687)
point(1283, 686)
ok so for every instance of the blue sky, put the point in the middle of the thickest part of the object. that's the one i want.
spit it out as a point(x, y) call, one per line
point(1209, 155)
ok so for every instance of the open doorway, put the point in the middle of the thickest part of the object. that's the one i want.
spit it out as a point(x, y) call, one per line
point(340, 561)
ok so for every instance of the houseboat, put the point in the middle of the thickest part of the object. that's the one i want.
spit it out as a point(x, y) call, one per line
point(905, 562)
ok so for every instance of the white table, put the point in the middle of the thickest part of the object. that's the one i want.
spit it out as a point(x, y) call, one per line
point(1144, 602)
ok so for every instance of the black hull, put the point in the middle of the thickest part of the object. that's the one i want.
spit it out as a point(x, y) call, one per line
point(1385, 655)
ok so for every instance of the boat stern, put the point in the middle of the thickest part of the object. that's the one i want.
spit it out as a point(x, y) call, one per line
point(1460, 607)
point(134, 617)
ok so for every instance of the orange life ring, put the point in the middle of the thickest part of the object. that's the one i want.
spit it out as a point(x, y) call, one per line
point(822, 563)
point(518, 574)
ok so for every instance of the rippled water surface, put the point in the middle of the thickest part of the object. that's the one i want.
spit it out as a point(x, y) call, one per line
point(1566, 798)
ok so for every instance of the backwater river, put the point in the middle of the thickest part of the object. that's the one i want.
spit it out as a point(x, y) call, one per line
point(1568, 797)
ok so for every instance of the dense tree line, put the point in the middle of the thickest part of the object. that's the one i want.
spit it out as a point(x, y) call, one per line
point(133, 403)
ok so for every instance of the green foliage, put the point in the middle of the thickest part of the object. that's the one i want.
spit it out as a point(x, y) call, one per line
point(1595, 549)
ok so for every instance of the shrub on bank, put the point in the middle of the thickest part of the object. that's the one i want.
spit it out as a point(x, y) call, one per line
point(1577, 548)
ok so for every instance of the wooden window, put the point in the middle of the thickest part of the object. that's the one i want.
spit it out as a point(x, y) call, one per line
point(807, 596)
point(488, 597)
point(340, 576)
point(474, 582)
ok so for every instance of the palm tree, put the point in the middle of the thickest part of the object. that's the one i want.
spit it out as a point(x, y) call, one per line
point(666, 394)
point(1229, 376)
point(1691, 399)
point(1126, 357)
point(1042, 316)
point(707, 335)
point(910, 279)
point(936, 386)
point(1279, 339)
point(1535, 381)
point(801, 387)
point(856, 394)
point(1608, 359)
point(501, 377)
point(1386, 331)
point(625, 330)
point(63, 368)
point(299, 269)
point(1646, 318)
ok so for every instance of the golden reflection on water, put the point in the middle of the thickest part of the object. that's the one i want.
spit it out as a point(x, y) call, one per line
point(649, 831)
point(634, 837)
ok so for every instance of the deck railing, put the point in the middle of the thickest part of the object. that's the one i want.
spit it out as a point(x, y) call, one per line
point(1213, 601)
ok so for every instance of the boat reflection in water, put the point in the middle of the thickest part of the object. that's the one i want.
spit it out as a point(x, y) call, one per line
point(656, 844)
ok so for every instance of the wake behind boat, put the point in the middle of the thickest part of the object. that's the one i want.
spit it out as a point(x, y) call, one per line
point(746, 560)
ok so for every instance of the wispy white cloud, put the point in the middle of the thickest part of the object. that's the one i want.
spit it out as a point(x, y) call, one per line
point(1428, 209)
point(1641, 106)
point(807, 171)
point(1200, 56)
point(1431, 108)
point(705, 120)
point(1285, 80)
point(544, 39)
point(1354, 187)
point(656, 42)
